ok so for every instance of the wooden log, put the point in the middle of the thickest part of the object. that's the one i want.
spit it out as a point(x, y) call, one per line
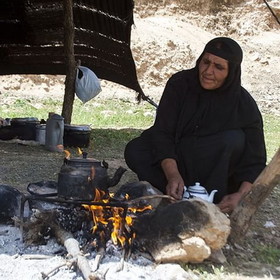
point(98, 258)
point(72, 246)
point(69, 33)
point(241, 217)
point(36, 225)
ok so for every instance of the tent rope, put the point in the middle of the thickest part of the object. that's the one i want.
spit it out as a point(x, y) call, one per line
point(272, 11)
point(142, 96)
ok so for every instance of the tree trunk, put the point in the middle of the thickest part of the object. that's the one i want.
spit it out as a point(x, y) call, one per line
point(242, 215)
point(69, 94)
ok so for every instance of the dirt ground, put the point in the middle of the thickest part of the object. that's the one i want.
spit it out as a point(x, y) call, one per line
point(22, 164)
point(165, 41)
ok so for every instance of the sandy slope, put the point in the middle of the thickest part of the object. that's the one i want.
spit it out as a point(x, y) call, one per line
point(163, 45)
point(170, 40)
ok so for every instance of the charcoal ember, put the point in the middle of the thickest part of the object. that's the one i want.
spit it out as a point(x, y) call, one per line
point(72, 219)
point(10, 200)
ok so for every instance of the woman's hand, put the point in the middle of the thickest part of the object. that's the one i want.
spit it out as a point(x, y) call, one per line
point(175, 183)
point(175, 187)
point(230, 201)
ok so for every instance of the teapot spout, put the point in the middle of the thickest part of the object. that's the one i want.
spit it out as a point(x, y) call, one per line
point(117, 177)
point(211, 196)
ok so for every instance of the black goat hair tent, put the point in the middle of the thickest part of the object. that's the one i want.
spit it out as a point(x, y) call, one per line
point(32, 38)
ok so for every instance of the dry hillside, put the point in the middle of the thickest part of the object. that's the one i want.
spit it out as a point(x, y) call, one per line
point(169, 35)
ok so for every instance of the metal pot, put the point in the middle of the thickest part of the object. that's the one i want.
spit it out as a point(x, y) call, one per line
point(76, 135)
point(41, 134)
point(80, 177)
point(25, 128)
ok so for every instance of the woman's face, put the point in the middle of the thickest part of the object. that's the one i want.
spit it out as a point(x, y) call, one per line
point(213, 71)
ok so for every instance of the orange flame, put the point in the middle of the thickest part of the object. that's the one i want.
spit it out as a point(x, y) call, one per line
point(79, 151)
point(135, 210)
point(67, 154)
point(116, 218)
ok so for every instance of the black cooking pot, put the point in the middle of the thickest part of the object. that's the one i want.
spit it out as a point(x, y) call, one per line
point(24, 128)
point(80, 177)
point(76, 135)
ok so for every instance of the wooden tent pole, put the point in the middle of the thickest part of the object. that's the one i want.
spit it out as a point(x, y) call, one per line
point(242, 215)
point(70, 63)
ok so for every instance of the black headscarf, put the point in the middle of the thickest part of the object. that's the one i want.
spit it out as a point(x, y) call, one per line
point(210, 111)
point(229, 50)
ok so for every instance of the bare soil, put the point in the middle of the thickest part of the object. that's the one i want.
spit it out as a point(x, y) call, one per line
point(165, 41)
point(21, 164)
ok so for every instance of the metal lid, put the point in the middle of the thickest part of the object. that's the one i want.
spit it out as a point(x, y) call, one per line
point(197, 188)
point(77, 127)
point(24, 120)
point(41, 126)
point(83, 162)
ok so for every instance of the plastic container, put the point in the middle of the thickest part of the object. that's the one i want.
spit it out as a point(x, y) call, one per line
point(54, 133)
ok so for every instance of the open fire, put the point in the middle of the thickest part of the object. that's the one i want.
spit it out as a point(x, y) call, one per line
point(112, 218)
point(84, 216)
point(115, 220)
point(108, 220)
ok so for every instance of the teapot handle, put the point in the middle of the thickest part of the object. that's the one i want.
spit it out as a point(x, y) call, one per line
point(104, 164)
point(186, 194)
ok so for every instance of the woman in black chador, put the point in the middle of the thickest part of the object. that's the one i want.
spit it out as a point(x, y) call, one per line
point(208, 129)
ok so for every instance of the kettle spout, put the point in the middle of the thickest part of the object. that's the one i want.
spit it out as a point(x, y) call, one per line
point(211, 196)
point(117, 177)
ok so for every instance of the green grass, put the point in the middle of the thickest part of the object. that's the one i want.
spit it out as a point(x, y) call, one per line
point(111, 142)
point(110, 113)
point(113, 120)
point(114, 113)
point(267, 254)
point(272, 134)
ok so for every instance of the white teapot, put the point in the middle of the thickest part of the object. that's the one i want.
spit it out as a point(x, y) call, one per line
point(198, 191)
